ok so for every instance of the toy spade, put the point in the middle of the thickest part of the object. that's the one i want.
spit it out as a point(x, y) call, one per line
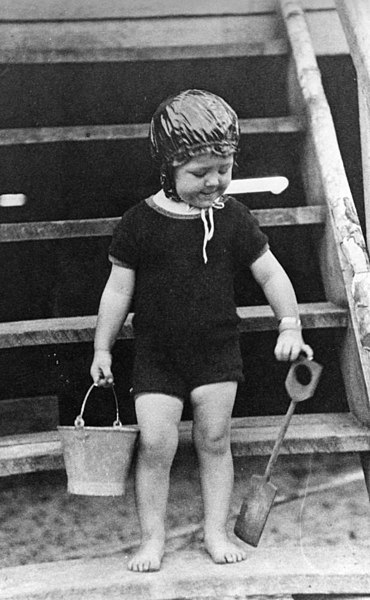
point(301, 382)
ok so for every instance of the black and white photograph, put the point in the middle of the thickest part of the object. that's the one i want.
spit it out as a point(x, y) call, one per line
point(185, 299)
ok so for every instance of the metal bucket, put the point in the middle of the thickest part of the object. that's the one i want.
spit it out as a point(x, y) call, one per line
point(98, 459)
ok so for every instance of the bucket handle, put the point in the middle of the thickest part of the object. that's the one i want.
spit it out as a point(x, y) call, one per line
point(79, 421)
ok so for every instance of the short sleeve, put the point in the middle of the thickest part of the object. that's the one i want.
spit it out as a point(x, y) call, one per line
point(124, 247)
point(251, 241)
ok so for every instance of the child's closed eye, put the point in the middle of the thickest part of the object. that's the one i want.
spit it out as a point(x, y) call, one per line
point(201, 174)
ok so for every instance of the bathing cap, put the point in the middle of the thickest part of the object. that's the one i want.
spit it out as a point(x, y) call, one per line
point(189, 124)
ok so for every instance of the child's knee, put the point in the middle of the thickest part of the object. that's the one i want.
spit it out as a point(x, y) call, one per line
point(159, 446)
point(211, 441)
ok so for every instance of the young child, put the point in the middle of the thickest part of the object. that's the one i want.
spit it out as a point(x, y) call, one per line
point(179, 251)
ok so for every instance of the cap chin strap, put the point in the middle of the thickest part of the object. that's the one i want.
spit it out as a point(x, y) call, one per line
point(209, 228)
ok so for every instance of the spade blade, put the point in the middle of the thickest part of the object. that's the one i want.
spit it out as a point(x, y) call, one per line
point(259, 498)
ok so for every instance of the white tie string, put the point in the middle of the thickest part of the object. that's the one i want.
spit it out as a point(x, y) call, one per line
point(209, 229)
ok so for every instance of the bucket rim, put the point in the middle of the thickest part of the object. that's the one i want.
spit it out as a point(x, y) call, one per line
point(123, 428)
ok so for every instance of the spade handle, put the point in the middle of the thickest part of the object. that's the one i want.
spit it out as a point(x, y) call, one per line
point(300, 384)
point(279, 440)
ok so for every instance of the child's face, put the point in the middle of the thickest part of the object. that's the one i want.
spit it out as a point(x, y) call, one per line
point(201, 180)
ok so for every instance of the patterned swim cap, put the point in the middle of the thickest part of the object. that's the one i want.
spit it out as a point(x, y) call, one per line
point(193, 122)
point(188, 124)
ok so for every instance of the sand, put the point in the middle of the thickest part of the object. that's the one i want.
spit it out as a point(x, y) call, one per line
point(41, 522)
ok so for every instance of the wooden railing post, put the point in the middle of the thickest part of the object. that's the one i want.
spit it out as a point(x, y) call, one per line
point(344, 260)
point(355, 18)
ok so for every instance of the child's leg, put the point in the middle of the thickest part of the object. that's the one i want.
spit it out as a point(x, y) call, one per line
point(158, 417)
point(212, 405)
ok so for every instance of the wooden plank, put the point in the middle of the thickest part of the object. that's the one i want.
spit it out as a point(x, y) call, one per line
point(273, 47)
point(81, 329)
point(26, 415)
point(57, 230)
point(320, 23)
point(54, 10)
point(120, 53)
point(29, 453)
point(319, 315)
point(192, 574)
point(355, 18)
point(337, 597)
point(344, 259)
point(250, 436)
point(83, 133)
point(365, 463)
point(54, 230)
point(284, 217)
point(325, 433)
point(89, 133)
point(288, 124)
point(25, 445)
point(46, 461)
point(111, 40)
point(52, 331)
point(364, 114)
point(174, 38)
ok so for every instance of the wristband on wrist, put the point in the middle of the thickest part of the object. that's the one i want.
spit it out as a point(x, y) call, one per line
point(289, 323)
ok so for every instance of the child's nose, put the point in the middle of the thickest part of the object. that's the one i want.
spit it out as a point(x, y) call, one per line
point(211, 179)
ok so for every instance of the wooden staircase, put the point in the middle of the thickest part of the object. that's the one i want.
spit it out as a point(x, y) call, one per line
point(328, 211)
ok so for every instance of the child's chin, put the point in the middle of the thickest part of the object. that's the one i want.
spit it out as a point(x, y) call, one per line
point(207, 199)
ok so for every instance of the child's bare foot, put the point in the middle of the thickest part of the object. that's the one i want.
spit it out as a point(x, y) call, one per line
point(148, 557)
point(223, 550)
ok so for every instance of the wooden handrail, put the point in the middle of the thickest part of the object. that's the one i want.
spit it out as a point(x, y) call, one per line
point(355, 19)
point(343, 214)
point(344, 262)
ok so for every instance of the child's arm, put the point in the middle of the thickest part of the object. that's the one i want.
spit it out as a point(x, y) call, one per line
point(280, 294)
point(114, 307)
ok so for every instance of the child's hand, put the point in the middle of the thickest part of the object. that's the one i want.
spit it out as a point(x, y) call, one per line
point(290, 344)
point(101, 368)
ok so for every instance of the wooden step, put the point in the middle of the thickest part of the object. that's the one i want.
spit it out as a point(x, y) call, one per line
point(251, 436)
point(81, 329)
point(88, 133)
point(268, 572)
point(64, 34)
point(26, 415)
point(54, 10)
point(325, 433)
point(55, 230)
point(125, 41)
point(30, 452)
